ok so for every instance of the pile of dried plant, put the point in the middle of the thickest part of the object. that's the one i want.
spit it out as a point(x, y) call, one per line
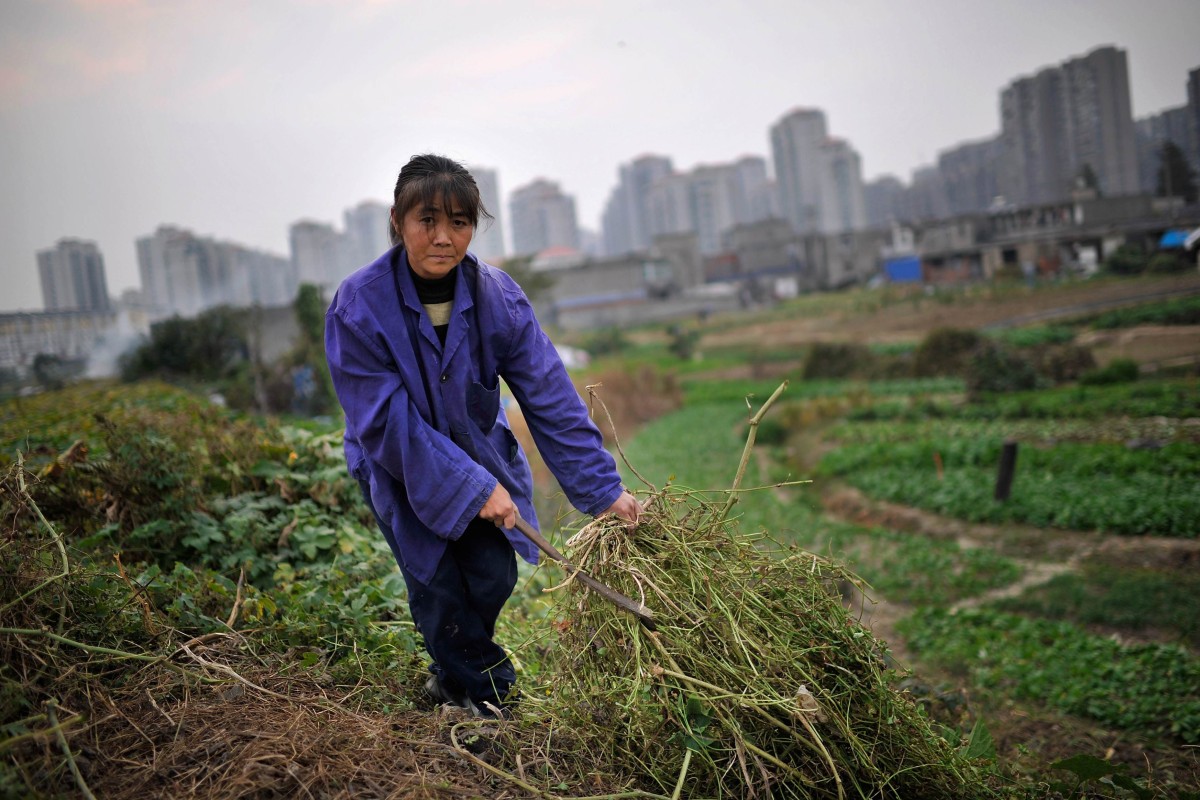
point(758, 681)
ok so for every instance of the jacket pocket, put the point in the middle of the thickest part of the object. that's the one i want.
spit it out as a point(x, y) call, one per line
point(483, 405)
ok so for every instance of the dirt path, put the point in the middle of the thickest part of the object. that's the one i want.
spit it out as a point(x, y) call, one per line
point(1042, 556)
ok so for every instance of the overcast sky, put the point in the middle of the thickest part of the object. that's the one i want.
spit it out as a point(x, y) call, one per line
point(235, 119)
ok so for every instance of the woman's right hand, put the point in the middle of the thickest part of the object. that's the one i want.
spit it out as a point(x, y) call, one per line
point(499, 508)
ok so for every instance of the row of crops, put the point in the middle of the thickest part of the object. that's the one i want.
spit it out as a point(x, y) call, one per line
point(1119, 460)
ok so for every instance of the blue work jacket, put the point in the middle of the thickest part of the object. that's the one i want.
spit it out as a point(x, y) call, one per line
point(430, 436)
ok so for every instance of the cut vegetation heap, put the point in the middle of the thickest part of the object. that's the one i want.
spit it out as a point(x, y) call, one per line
point(757, 682)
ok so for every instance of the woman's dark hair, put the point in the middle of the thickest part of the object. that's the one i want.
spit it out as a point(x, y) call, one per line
point(429, 179)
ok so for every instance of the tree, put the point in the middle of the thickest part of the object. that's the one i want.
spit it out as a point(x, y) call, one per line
point(209, 347)
point(1176, 178)
point(1087, 179)
point(310, 367)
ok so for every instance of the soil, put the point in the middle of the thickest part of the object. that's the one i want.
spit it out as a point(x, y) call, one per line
point(910, 319)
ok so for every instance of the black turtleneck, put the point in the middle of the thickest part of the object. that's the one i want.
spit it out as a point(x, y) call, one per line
point(437, 295)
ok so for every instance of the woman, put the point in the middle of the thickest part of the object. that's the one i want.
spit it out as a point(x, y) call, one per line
point(416, 343)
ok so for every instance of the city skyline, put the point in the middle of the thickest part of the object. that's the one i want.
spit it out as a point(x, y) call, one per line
point(96, 147)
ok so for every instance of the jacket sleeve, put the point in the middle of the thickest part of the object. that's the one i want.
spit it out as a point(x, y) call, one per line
point(445, 488)
point(566, 437)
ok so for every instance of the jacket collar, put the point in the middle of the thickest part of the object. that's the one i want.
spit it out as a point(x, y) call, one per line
point(463, 302)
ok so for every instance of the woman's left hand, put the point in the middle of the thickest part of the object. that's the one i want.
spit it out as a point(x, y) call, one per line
point(627, 508)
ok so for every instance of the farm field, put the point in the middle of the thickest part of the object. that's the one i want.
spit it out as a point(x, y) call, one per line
point(252, 636)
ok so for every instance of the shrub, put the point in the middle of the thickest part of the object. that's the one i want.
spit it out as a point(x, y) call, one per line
point(606, 342)
point(1166, 263)
point(1063, 363)
point(837, 360)
point(945, 351)
point(995, 368)
point(1127, 259)
point(1176, 311)
point(1120, 370)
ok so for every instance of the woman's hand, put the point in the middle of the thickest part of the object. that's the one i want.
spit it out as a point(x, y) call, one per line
point(499, 508)
point(627, 508)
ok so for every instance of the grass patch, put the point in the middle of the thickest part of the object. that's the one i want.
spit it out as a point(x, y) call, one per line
point(1151, 689)
point(1080, 486)
point(1133, 600)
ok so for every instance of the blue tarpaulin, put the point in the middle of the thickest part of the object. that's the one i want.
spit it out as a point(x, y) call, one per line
point(903, 270)
point(1176, 237)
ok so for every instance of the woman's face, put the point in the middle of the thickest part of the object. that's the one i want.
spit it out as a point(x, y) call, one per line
point(435, 238)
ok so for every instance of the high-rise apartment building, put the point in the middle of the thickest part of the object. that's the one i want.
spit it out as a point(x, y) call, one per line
point(488, 241)
point(626, 220)
point(819, 179)
point(1065, 121)
point(1171, 125)
point(542, 217)
point(970, 175)
point(796, 149)
point(884, 200)
point(842, 205)
point(1193, 107)
point(182, 273)
point(367, 226)
point(72, 277)
point(320, 255)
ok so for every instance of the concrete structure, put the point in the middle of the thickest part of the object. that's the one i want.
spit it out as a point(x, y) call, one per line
point(796, 149)
point(488, 242)
point(1193, 110)
point(884, 200)
point(1065, 119)
point(367, 227)
point(542, 217)
point(320, 255)
point(970, 175)
point(69, 335)
point(925, 197)
point(72, 277)
point(670, 206)
point(626, 225)
point(1068, 235)
point(842, 205)
point(819, 179)
point(182, 273)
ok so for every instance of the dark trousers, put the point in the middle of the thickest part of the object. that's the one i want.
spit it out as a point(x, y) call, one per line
point(456, 611)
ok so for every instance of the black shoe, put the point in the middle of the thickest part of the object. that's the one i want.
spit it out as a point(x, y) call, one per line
point(438, 692)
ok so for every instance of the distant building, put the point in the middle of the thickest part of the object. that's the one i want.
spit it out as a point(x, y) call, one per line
point(488, 242)
point(842, 205)
point(925, 197)
point(367, 227)
point(182, 273)
point(68, 335)
point(709, 201)
point(884, 200)
point(669, 205)
point(1065, 120)
point(1193, 107)
point(321, 255)
point(796, 149)
point(1171, 125)
point(72, 277)
point(626, 225)
point(818, 178)
point(970, 175)
point(542, 217)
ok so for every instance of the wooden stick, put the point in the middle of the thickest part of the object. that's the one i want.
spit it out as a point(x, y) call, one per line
point(632, 606)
